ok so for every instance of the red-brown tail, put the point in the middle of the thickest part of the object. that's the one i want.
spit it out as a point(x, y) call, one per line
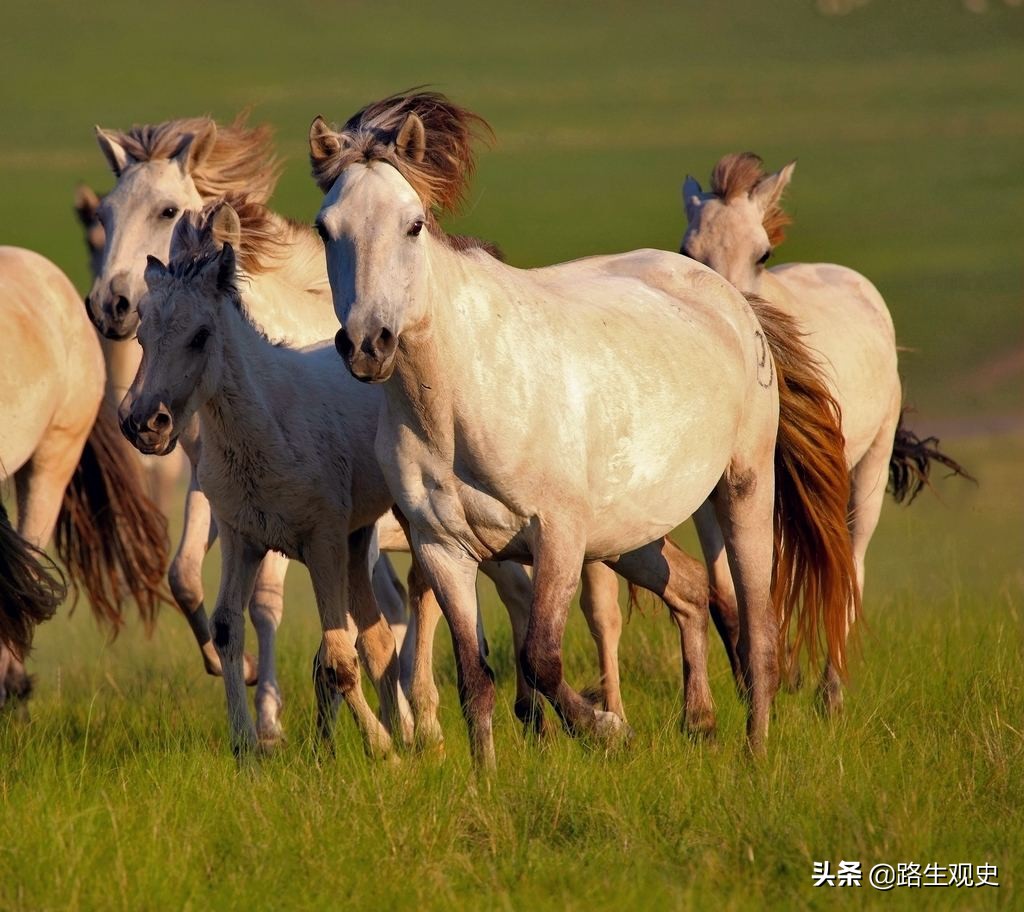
point(111, 537)
point(911, 462)
point(31, 588)
point(815, 579)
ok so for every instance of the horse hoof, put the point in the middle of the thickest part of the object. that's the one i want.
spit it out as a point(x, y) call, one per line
point(700, 726)
point(830, 702)
point(611, 728)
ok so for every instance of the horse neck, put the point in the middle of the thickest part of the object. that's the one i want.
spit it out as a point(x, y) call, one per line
point(291, 300)
point(423, 389)
point(238, 408)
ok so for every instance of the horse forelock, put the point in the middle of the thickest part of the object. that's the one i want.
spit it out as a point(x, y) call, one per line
point(241, 159)
point(442, 178)
point(737, 174)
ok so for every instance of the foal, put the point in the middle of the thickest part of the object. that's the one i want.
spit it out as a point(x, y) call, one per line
point(281, 470)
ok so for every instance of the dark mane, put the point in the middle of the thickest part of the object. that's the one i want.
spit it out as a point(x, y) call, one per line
point(739, 173)
point(242, 157)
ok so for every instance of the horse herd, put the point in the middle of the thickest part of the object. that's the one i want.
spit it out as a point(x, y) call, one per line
point(484, 417)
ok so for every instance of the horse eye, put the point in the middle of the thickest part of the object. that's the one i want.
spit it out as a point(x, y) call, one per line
point(169, 212)
point(416, 228)
point(199, 340)
point(764, 258)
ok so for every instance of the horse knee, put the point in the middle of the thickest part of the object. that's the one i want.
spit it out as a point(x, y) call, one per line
point(228, 633)
point(186, 582)
point(542, 667)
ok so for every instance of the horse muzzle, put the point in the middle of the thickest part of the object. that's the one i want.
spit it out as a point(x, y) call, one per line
point(152, 435)
point(373, 360)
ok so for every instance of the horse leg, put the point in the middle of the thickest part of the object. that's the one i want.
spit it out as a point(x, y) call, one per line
point(392, 601)
point(515, 589)
point(15, 684)
point(185, 574)
point(265, 610)
point(744, 503)
point(337, 664)
point(599, 602)
point(867, 492)
point(664, 568)
point(423, 693)
point(375, 640)
point(240, 563)
point(722, 596)
point(557, 563)
point(452, 576)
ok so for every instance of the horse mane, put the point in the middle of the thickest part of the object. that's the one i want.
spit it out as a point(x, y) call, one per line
point(241, 159)
point(266, 237)
point(740, 172)
point(442, 179)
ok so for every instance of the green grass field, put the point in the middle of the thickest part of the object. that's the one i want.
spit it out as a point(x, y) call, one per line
point(908, 122)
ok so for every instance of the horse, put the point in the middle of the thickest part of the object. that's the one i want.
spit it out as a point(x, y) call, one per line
point(122, 356)
point(281, 471)
point(592, 444)
point(734, 229)
point(161, 171)
point(76, 481)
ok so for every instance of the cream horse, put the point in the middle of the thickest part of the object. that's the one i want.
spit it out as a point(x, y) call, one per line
point(122, 357)
point(76, 481)
point(534, 415)
point(734, 229)
point(287, 464)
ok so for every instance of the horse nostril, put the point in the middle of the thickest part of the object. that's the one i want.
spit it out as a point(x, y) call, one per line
point(122, 306)
point(161, 421)
point(343, 344)
point(385, 343)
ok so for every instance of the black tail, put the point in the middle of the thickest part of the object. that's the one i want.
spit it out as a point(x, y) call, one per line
point(31, 588)
point(911, 462)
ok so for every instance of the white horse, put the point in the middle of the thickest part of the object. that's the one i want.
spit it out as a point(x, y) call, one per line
point(734, 229)
point(122, 357)
point(76, 481)
point(569, 414)
point(287, 464)
point(162, 170)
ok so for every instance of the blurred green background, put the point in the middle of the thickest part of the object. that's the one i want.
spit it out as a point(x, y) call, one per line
point(907, 119)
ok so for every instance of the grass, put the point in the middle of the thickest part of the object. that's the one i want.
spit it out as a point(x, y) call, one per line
point(906, 118)
point(122, 792)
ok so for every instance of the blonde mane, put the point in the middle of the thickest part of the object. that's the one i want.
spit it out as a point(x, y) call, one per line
point(242, 157)
point(740, 172)
point(266, 237)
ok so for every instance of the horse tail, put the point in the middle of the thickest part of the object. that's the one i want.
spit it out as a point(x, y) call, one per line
point(31, 588)
point(911, 462)
point(815, 578)
point(111, 537)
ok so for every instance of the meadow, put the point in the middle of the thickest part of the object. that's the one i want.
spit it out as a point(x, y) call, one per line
point(907, 119)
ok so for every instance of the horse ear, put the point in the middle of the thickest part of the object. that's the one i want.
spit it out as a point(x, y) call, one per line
point(225, 226)
point(411, 140)
point(226, 268)
point(196, 147)
point(155, 271)
point(114, 152)
point(769, 190)
point(87, 201)
point(323, 141)
point(691, 196)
